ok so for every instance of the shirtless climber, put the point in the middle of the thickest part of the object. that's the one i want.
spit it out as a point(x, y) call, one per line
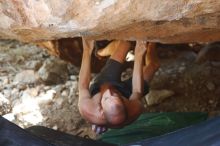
point(109, 102)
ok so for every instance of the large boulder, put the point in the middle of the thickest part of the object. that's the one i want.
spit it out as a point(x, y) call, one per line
point(167, 21)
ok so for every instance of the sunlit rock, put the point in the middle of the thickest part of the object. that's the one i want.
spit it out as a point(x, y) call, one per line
point(162, 21)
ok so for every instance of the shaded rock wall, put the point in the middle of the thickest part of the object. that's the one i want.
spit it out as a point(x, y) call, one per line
point(154, 20)
point(71, 50)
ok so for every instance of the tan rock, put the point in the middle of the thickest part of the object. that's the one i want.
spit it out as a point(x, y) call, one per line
point(157, 96)
point(161, 21)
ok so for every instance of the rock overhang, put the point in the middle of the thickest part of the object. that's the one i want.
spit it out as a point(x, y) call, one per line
point(172, 21)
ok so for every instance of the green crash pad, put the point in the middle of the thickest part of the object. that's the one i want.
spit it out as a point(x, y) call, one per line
point(152, 124)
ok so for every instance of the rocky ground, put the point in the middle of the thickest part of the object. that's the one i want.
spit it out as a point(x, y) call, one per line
point(191, 86)
point(39, 89)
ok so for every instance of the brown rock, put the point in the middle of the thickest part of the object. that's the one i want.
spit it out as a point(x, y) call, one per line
point(53, 72)
point(70, 50)
point(162, 21)
point(210, 52)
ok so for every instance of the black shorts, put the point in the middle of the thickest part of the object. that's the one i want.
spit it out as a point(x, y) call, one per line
point(111, 73)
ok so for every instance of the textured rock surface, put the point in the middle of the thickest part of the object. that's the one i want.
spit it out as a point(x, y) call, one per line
point(154, 20)
point(53, 72)
point(70, 50)
point(156, 96)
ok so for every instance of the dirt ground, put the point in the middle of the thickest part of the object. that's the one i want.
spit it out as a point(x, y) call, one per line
point(196, 86)
point(39, 89)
